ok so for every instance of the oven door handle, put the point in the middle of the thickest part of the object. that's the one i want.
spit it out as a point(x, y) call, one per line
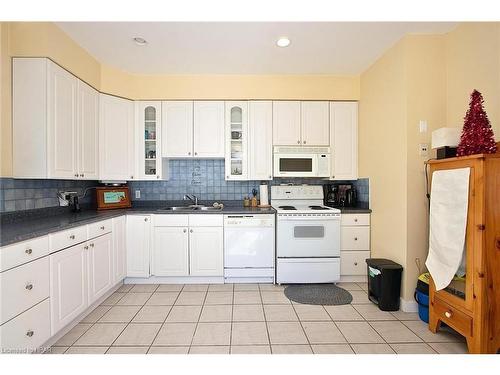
point(308, 219)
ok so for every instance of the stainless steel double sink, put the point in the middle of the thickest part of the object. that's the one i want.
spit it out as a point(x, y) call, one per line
point(191, 208)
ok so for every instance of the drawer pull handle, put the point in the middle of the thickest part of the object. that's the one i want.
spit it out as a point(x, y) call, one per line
point(356, 220)
point(184, 230)
point(190, 231)
point(355, 238)
point(28, 251)
point(102, 228)
point(72, 237)
point(355, 263)
point(29, 286)
point(448, 314)
point(30, 333)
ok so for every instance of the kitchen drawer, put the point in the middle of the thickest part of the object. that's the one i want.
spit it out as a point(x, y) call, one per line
point(67, 238)
point(456, 319)
point(23, 252)
point(170, 220)
point(28, 331)
point(353, 262)
point(207, 220)
point(355, 219)
point(99, 228)
point(355, 238)
point(22, 287)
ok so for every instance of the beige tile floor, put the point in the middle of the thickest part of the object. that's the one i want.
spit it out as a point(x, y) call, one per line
point(246, 319)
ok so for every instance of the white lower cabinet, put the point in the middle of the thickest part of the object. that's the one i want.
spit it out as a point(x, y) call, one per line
point(119, 225)
point(138, 245)
point(68, 285)
point(194, 250)
point(170, 251)
point(354, 245)
point(100, 266)
point(206, 251)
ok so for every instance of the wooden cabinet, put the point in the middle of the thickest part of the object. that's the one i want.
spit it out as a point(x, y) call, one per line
point(206, 251)
point(344, 140)
point(54, 121)
point(286, 123)
point(236, 163)
point(148, 140)
point(170, 251)
point(208, 129)
point(177, 125)
point(119, 248)
point(471, 305)
point(138, 245)
point(100, 266)
point(116, 139)
point(260, 140)
point(62, 123)
point(68, 285)
point(315, 125)
point(189, 245)
point(88, 132)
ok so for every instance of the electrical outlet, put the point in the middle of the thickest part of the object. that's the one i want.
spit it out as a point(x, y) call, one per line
point(423, 149)
point(137, 194)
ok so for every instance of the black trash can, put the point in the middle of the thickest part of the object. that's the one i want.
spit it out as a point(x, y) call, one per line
point(384, 283)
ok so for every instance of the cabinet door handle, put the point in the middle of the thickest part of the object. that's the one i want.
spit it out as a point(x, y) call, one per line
point(298, 142)
point(102, 228)
point(189, 153)
point(28, 251)
point(82, 175)
point(184, 230)
point(29, 286)
point(30, 333)
point(355, 238)
point(86, 247)
point(270, 177)
point(333, 176)
point(304, 142)
point(132, 177)
point(157, 177)
point(72, 237)
point(196, 153)
point(355, 263)
point(91, 245)
point(448, 314)
point(190, 231)
point(356, 220)
point(76, 174)
point(145, 219)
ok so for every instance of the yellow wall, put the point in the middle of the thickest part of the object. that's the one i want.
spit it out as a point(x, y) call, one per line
point(473, 62)
point(382, 151)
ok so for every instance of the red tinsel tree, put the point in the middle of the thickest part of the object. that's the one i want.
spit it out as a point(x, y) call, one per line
point(477, 135)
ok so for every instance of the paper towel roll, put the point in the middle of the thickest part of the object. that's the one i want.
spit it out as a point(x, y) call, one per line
point(264, 195)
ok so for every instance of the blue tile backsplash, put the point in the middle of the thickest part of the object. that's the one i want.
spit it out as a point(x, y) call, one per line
point(203, 178)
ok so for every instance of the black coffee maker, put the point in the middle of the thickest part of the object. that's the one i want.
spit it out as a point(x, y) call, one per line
point(340, 195)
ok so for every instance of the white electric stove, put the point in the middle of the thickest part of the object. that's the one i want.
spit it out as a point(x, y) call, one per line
point(307, 235)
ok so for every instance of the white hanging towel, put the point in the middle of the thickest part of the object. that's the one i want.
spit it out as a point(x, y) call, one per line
point(448, 223)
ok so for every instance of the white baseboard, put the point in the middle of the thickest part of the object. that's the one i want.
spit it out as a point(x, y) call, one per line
point(175, 280)
point(408, 306)
point(353, 279)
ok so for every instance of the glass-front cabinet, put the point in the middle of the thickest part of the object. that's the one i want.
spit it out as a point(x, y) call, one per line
point(236, 163)
point(148, 140)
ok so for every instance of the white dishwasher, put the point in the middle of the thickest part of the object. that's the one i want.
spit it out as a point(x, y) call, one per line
point(249, 248)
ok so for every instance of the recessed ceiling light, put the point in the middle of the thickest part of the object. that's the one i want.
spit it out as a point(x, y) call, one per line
point(140, 41)
point(283, 42)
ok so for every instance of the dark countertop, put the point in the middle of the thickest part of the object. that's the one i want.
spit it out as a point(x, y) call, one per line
point(24, 225)
point(355, 210)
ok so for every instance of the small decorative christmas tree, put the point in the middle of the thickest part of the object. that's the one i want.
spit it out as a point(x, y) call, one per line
point(477, 135)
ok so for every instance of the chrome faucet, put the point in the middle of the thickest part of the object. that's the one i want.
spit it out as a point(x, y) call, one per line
point(192, 198)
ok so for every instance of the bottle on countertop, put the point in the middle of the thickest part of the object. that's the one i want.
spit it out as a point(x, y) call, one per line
point(246, 202)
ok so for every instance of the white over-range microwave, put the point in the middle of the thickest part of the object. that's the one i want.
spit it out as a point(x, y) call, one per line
point(292, 161)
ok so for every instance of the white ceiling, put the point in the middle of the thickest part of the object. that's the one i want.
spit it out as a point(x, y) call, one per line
point(243, 48)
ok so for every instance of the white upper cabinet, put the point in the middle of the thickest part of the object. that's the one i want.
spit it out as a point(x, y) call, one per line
point(55, 120)
point(260, 140)
point(208, 139)
point(148, 140)
point(315, 123)
point(62, 123)
point(88, 132)
point(177, 124)
point(344, 140)
point(116, 139)
point(286, 123)
point(236, 162)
